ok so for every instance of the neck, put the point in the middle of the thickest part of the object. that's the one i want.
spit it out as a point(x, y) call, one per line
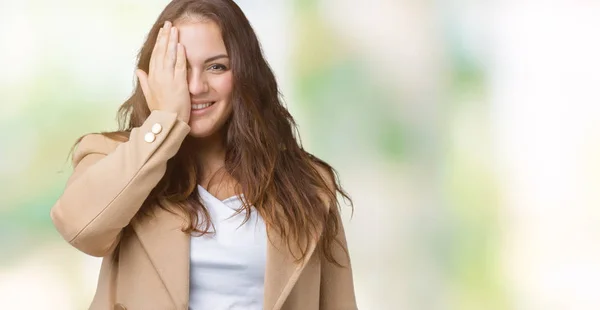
point(210, 155)
point(213, 176)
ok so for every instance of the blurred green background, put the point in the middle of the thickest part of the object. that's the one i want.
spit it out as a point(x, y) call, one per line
point(467, 133)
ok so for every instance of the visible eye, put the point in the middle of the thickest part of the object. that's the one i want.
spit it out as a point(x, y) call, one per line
point(217, 67)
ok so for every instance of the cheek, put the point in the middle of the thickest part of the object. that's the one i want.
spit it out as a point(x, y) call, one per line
point(223, 84)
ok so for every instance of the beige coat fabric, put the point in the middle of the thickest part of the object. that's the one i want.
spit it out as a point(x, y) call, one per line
point(146, 263)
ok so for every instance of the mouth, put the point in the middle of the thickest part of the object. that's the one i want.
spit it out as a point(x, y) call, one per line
point(201, 106)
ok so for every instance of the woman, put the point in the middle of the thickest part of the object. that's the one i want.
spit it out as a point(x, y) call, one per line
point(204, 199)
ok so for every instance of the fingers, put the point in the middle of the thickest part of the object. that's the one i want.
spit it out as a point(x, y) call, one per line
point(153, 57)
point(181, 64)
point(163, 40)
point(158, 53)
point(171, 53)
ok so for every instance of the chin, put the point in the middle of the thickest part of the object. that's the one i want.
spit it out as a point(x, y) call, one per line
point(200, 129)
point(201, 132)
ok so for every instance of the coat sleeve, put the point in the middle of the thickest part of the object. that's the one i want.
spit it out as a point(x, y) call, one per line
point(337, 284)
point(111, 181)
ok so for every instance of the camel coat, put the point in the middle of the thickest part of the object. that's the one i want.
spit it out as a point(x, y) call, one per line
point(145, 262)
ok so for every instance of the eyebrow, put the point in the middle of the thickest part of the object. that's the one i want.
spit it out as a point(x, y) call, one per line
point(215, 58)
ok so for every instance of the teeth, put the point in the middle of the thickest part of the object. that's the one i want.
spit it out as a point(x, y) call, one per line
point(201, 106)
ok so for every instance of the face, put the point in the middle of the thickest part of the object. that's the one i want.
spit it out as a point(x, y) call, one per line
point(210, 80)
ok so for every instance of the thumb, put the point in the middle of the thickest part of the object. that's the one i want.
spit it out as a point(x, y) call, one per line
point(143, 81)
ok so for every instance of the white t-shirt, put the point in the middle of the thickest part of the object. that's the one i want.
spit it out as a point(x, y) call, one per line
point(227, 268)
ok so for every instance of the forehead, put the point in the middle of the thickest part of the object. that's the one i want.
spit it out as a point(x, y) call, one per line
point(201, 39)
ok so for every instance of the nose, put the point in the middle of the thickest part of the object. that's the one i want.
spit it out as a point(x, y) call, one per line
point(197, 83)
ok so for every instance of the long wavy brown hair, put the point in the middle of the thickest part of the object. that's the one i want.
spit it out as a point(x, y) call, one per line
point(271, 168)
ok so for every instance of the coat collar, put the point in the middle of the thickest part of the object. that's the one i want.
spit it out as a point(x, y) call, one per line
point(169, 251)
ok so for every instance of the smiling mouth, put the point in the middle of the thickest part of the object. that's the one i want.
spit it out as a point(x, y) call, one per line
point(201, 106)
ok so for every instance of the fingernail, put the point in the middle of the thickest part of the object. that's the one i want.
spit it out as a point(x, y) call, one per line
point(167, 23)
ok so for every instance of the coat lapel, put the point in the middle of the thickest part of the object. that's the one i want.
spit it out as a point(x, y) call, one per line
point(281, 272)
point(169, 251)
